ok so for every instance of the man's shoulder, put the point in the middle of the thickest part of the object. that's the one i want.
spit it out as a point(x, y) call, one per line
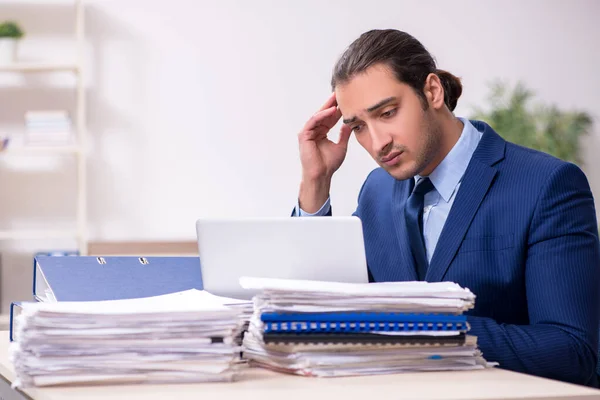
point(537, 176)
point(539, 166)
point(516, 158)
point(527, 157)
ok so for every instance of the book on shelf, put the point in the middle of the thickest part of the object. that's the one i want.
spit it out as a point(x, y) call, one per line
point(48, 128)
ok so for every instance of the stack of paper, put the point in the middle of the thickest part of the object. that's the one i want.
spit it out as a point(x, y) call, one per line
point(189, 336)
point(245, 308)
point(48, 127)
point(341, 329)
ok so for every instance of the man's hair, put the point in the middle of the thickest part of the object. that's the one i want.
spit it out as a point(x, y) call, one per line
point(403, 54)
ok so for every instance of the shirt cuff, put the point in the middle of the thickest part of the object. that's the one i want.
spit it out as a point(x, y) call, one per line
point(322, 211)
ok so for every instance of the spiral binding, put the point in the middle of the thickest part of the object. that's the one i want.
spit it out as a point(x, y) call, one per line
point(357, 326)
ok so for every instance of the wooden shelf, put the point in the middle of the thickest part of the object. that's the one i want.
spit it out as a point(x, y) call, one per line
point(18, 234)
point(39, 67)
point(41, 150)
point(148, 248)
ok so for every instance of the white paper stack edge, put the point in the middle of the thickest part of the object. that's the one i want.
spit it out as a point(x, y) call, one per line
point(183, 337)
point(329, 329)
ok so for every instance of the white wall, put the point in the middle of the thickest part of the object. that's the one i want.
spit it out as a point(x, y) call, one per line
point(194, 106)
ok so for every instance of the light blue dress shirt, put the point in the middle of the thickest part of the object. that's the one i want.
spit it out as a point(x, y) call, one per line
point(446, 179)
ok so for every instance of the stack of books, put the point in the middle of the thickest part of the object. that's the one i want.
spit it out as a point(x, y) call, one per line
point(330, 329)
point(183, 337)
point(48, 128)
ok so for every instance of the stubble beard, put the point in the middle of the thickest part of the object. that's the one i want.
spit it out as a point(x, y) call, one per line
point(431, 145)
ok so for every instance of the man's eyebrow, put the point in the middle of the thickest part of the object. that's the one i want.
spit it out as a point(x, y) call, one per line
point(381, 104)
point(372, 108)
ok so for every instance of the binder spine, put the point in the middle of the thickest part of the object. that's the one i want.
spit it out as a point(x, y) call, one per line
point(12, 320)
point(34, 277)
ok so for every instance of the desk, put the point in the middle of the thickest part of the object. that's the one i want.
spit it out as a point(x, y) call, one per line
point(265, 385)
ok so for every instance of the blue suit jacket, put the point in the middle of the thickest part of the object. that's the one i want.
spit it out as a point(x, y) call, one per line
point(522, 235)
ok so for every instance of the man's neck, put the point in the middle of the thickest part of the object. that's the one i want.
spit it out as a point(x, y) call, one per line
point(451, 128)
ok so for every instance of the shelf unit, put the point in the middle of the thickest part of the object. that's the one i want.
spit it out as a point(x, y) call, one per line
point(77, 150)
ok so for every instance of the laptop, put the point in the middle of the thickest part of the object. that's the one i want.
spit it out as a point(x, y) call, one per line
point(312, 248)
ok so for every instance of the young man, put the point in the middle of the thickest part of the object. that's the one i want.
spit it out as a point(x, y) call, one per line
point(453, 201)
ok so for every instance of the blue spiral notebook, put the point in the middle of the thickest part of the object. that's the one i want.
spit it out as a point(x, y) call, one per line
point(361, 322)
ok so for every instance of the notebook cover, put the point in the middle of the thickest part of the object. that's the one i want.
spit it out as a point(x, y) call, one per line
point(375, 316)
point(295, 338)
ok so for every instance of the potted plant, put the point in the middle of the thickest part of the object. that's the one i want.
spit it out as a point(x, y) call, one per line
point(10, 33)
point(539, 126)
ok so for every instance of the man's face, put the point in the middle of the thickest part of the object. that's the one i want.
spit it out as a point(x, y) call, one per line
point(388, 120)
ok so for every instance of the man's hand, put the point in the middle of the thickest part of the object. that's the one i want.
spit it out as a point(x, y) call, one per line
point(320, 157)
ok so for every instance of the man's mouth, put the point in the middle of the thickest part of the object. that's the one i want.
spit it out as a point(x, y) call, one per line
point(392, 158)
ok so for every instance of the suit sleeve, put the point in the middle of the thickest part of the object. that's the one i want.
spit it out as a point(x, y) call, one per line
point(562, 278)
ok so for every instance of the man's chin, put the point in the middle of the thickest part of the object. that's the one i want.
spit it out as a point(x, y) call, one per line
point(400, 172)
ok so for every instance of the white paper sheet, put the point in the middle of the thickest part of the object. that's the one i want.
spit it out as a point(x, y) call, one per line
point(384, 289)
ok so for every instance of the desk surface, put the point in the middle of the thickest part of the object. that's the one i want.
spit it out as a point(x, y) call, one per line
point(265, 385)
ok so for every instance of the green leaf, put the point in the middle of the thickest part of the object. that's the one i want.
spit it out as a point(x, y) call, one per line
point(538, 126)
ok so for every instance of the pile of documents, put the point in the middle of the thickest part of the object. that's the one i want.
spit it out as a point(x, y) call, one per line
point(189, 336)
point(330, 329)
point(48, 128)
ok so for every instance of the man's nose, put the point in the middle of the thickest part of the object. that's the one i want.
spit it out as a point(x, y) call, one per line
point(381, 140)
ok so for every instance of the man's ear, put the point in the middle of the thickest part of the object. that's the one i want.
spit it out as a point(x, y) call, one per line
point(434, 91)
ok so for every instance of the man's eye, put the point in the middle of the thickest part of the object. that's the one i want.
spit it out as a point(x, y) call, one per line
point(389, 113)
point(356, 128)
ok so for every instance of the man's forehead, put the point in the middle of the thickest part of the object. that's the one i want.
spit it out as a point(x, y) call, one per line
point(365, 90)
point(352, 103)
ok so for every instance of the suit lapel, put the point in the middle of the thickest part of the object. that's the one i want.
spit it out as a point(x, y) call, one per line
point(407, 269)
point(475, 184)
point(473, 188)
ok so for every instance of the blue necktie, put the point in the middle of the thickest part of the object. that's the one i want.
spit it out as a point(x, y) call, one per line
point(413, 212)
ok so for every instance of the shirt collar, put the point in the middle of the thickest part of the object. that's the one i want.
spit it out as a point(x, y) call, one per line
point(448, 174)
